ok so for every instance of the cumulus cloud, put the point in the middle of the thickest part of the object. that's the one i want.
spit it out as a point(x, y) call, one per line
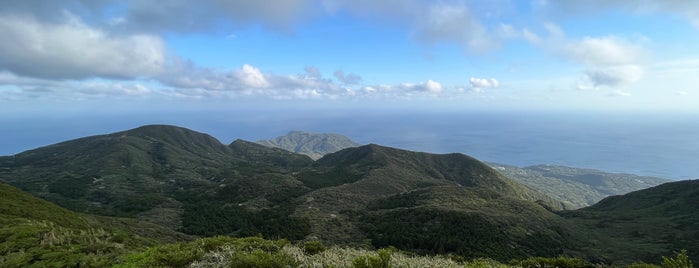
point(349, 79)
point(431, 86)
point(404, 90)
point(480, 84)
point(72, 50)
point(483, 82)
point(251, 77)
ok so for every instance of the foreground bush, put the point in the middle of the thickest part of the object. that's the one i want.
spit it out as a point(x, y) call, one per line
point(313, 247)
point(679, 261)
point(219, 251)
point(246, 252)
point(558, 262)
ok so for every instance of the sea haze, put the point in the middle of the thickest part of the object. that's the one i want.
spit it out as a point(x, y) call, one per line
point(654, 145)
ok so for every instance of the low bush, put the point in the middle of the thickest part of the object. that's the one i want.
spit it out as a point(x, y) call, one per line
point(313, 247)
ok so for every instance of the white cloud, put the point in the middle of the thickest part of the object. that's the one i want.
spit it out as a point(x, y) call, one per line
point(478, 85)
point(72, 50)
point(610, 60)
point(613, 76)
point(251, 77)
point(483, 82)
point(591, 51)
point(433, 87)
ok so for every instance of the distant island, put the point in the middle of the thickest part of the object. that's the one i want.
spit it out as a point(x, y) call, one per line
point(311, 144)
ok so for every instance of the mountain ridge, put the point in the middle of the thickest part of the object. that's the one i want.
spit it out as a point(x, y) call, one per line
point(370, 196)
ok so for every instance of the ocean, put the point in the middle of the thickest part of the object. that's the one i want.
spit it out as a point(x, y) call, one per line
point(663, 145)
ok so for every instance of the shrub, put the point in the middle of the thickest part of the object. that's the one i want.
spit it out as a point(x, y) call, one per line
point(383, 260)
point(313, 247)
point(558, 262)
point(484, 263)
point(680, 261)
point(641, 265)
point(262, 259)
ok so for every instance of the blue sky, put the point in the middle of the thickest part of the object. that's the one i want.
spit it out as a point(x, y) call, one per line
point(74, 56)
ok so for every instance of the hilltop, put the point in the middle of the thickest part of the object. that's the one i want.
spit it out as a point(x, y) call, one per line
point(315, 145)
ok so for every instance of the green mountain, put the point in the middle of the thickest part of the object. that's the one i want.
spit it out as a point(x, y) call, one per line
point(143, 172)
point(189, 181)
point(311, 144)
point(643, 225)
point(426, 202)
point(369, 195)
point(576, 187)
point(36, 233)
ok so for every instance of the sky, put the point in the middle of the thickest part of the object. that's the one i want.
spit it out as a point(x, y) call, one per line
point(78, 56)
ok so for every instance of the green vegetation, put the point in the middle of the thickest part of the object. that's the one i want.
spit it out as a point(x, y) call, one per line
point(210, 219)
point(643, 225)
point(36, 233)
point(560, 262)
point(214, 252)
point(369, 196)
point(313, 247)
point(680, 261)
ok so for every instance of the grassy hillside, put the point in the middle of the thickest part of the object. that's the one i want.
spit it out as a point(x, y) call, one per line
point(36, 233)
point(577, 187)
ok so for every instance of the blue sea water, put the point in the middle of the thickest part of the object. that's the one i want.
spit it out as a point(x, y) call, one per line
point(664, 145)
